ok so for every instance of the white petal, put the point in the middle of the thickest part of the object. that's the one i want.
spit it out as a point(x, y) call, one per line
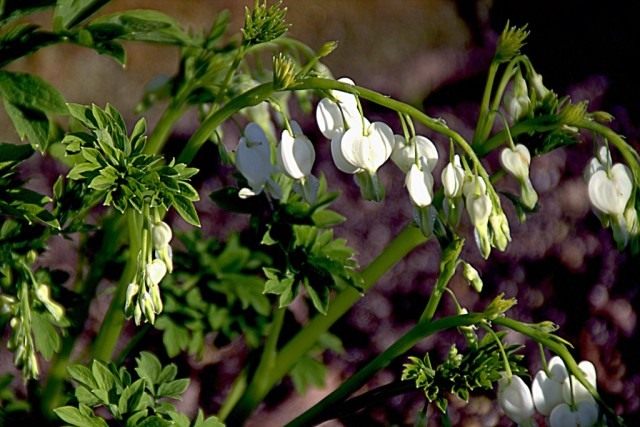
point(420, 186)
point(245, 193)
point(562, 416)
point(370, 151)
point(610, 194)
point(156, 270)
point(161, 234)
point(345, 99)
point(623, 179)
point(604, 156)
point(253, 160)
point(546, 392)
point(329, 118)
point(515, 399)
point(479, 209)
point(453, 178)
point(296, 154)
point(587, 414)
point(516, 161)
point(339, 159)
point(475, 186)
point(404, 154)
point(557, 370)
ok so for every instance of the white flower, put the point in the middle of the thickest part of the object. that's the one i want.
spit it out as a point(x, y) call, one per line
point(132, 291)
point(368, 149)
point(253, 158)
point(161, 234)
point(585, 415)
point(609, 191)
point(453, 178)
point(538, 86)
point(155, 270)
point(518, 102)
point(574, 391)
point(516, 161)
point(404, 153)
point(515, 400)
point(334, 118)
point(547, 389)
point(296, 153)
point(479, 208)
point(419, 182)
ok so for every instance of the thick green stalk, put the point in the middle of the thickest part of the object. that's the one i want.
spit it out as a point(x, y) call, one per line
point(448, 264)
point(486, 99)
point(111, 327)
point(408, 239)
point(162, 130)
point(269, 353)
point(400, 347)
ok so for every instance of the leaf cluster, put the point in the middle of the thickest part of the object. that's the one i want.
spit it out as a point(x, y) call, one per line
point(460, 374)
point(113, 164)
point(136, 400)
point(216, 288)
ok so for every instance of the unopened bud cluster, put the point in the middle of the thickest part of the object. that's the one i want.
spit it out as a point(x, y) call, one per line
point(143, 300)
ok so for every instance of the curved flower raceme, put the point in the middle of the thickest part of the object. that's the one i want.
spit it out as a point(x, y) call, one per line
point(405, 153)
point(516, 161)
point(515, 400)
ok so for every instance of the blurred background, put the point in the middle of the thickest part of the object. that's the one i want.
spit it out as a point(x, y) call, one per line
point(434, 53)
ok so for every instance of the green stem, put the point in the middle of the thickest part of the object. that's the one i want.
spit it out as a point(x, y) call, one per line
point(486, 98)
point(111, 327)
point(407, 240)
point(400, 347)
point(538, 124)
point(269, 353)
point(237, 390)
point(162, 130)
point(448, 263)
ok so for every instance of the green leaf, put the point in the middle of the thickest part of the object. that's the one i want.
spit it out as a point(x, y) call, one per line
point(74, 417)
point(185, 209)
point(69, 13)
point(105, 379)
point(32, 125)
point(307, 372)
point(140, 25)
point(14, 152)
point(175, 338)
point(83, 375)
point(327, 218)
point(31, 92)
point(148, 367)
point(155, 421)
point(46, 336)
point(173, 389)
point(320, 300)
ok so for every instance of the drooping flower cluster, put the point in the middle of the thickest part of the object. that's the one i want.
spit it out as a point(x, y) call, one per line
point(143, 300)
point(610, 187)
point(555, 394)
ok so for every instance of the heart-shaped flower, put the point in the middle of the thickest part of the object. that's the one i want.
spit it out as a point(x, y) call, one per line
point(155, 270)
point(253, 157)
point(573, 391)
point(585, 415)
point(404, 153)
point(610, 192)
point(516, 161)
point(335, 117)
point(161, 234)
point(547, 389)
point(296, 153)
point(419, 182)
point(453, 178)
point(515, 400)
point(367, 150)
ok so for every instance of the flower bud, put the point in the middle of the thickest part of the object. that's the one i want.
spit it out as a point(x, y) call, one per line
point(404, 153)
point(453, 178)
point(471, 275)
point(500, 233)
point(161, 234)
point(147, 308)
point(296, 153)
point(515, 400)
point(132, 291)
point(419, 182)
point(43, 295)
point(156, 299)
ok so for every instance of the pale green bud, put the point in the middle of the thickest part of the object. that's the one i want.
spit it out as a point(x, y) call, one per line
point(132, 291)
point(161, 234)
point(147, 308)
point(500, 233)
point(471, 275)
point(154, 290)
point(43, 295)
